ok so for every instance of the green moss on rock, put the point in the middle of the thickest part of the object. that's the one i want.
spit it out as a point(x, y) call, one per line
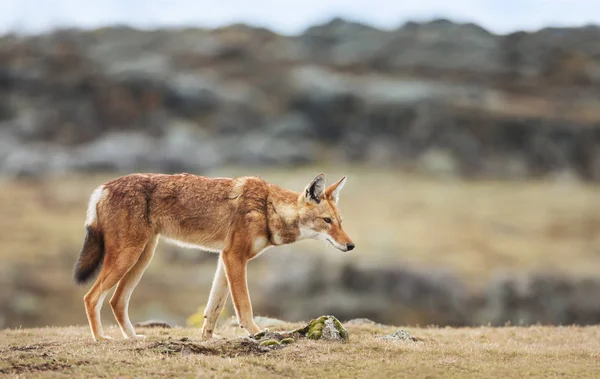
point(287, 341)
point(325, 327)
point(315, 328)
point(271, 342)
point(340, 328)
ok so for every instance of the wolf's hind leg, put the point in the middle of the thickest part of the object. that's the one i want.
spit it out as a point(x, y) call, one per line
point(117, 262)
point(120, 299)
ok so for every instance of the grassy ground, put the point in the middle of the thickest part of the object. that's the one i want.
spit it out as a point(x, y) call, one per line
point(508, 352)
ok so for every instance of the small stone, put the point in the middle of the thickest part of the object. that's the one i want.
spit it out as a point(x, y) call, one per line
point(153, 324)
point(327, 327)
point(361, 321)
point(400, 335)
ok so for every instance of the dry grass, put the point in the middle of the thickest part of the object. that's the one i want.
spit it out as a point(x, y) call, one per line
point(509, 352)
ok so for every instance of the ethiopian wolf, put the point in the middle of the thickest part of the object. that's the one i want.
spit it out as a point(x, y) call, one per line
point(237, 217)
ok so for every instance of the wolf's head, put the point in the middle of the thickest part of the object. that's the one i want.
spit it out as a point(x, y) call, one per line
point(319, 217)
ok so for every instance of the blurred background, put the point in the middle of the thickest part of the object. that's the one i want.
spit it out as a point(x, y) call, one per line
point(469, 130)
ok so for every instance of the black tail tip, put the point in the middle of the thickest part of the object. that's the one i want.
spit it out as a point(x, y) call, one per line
point(90, 258)
point(82, 276)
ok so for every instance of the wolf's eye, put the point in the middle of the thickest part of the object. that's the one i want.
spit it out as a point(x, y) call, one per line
point(327, 220)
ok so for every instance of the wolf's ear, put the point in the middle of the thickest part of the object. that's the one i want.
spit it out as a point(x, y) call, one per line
point(333, 191)
point(315, 189)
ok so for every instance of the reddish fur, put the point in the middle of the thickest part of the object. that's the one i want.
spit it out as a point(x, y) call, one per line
point(240, 217)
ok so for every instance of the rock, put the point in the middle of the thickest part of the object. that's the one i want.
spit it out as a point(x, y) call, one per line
point(35, 160)
point(116, 151)
point(333, 331)
point(155, 310)
point(291, 125)
point(185, 147)
point(327, 328)
point(362, 321)
point(399, 335)
point(32, 124)
point(153, 324)
point(192, 95)
point(540, 299)
point(257, 149)
point(344, 43)
point(8, 144)
point(254, 97)
point(463, 46)
point(236, 118)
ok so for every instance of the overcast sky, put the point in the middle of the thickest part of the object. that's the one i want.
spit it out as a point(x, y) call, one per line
point(290, 17)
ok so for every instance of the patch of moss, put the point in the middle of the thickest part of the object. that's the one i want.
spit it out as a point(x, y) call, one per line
point(315, 328)
point(340, 328)
point(287, 341)
point(271, 342)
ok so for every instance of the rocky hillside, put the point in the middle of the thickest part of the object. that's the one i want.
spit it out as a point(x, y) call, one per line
point(439, 96)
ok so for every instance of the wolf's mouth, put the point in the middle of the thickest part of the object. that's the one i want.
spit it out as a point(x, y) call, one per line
point(337, 245)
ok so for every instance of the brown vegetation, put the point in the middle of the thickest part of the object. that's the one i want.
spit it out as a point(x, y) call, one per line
point(509, 352)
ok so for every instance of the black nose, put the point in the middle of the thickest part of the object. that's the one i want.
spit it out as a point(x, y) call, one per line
point(350, 246)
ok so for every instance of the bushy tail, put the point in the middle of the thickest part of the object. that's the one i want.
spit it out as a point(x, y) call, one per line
point(91, 256)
